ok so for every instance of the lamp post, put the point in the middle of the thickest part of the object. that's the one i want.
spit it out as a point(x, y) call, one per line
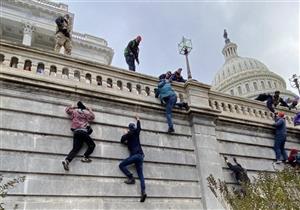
point(185, 47)
point(295, 82)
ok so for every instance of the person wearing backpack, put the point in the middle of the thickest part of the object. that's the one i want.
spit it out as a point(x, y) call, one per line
point(63, 34)
point(81, 116)
point(131, 53)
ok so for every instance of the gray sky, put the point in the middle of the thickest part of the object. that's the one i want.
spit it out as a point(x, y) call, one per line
point(265, 30)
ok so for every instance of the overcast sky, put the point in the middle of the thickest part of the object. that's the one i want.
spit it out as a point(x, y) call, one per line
point(265, 30)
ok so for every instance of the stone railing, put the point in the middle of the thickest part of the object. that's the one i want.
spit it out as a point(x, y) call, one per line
point(67, 70)
point(246, 110)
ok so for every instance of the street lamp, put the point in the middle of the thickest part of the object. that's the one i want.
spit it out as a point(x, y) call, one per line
point(185, 47)
point(295, 82)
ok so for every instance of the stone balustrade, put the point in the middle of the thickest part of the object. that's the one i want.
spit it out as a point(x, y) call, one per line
point(89, 38)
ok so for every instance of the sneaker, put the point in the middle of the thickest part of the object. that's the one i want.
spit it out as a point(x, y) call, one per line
point(171, 130)
point(66, 165)
point(277, 162)
point(130, 181)
point(186, 106)
point(143, 197)
point(86, 160)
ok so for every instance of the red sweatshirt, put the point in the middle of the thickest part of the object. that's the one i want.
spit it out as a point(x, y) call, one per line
point(80, 118)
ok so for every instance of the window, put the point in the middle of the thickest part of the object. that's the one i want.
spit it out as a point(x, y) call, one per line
point(147, 89)
point(119, 84)
point(269, 83)
point(109, 83)
point(40, 68)
point(247, 87)
point(138, 89)
point(240, 90)
point(232, 92)
point(275, 84)
point(262, 85)
point(255, 86)
point(129, 87)
point(14, 62)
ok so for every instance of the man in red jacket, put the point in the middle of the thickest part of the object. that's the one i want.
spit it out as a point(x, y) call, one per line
point(81, 116)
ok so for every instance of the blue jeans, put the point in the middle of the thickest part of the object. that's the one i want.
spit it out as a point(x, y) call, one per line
point(170, 103)
point(138, 160)
point(130, 62)
point(279, 147)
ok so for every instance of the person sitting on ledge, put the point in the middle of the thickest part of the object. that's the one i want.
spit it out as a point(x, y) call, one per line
point(81, 116)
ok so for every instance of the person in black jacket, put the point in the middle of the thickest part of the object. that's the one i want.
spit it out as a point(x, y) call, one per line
point(63, 34)
point(239, 172)
point(272, 100)
point(132, 140)
point(131, 53)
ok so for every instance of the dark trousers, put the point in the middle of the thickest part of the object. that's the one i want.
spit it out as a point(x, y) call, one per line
point(138, 160)
point(130, 61)
point(170, 103)
point(78, 139)
point(279, 147)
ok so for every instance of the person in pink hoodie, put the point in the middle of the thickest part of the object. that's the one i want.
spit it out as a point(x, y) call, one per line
point(81, 116)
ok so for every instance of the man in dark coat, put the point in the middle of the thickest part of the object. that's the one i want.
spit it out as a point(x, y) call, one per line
point(272, 100)
point(131, 53)
point(239, 172)
point(63, 34)
point(132, 140)
point(176, 76)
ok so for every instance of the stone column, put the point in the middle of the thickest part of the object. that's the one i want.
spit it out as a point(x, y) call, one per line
point(27, 34)
point(202, 119)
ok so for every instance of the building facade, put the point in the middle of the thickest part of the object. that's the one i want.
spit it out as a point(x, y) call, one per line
point(32, 23)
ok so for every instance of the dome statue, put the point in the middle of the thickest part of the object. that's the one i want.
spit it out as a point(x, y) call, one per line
point(246, 77)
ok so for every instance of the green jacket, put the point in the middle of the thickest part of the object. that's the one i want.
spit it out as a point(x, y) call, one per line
point(132, 49)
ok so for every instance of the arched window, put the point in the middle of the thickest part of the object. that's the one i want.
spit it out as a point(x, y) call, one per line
point(14, 62)
point(77, 75)
point(255, 86)
point(119, 84)
point(262, 85)
point(40, 68)
point(1, 58)
point(240, 90)
point(129, 87)
point(88, 78)
point(99, 80)
point(138, 89)
point(53, 70)
point(247, 87)
point(65, 73)
point(27, 65)
point(109, 83)
point(269, 83)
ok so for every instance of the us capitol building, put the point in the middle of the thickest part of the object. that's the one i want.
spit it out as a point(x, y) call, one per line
point(246, 77)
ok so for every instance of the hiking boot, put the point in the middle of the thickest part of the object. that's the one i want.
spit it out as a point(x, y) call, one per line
point(130, 181)
point(186, 106)
point(171, 130)
point(143, 197)
point(86, 160)
point(66, 165)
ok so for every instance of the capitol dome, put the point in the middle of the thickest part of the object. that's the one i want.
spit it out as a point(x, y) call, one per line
point(246, 77)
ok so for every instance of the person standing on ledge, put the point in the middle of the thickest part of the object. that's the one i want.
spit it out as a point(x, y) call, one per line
point(132, 139)
point(81, 116)
point(131, 53)
point(63, 36)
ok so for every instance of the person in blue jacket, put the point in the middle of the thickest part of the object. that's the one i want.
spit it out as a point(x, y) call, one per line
point(280, 138)
point(168, 96)
point(132, 140)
